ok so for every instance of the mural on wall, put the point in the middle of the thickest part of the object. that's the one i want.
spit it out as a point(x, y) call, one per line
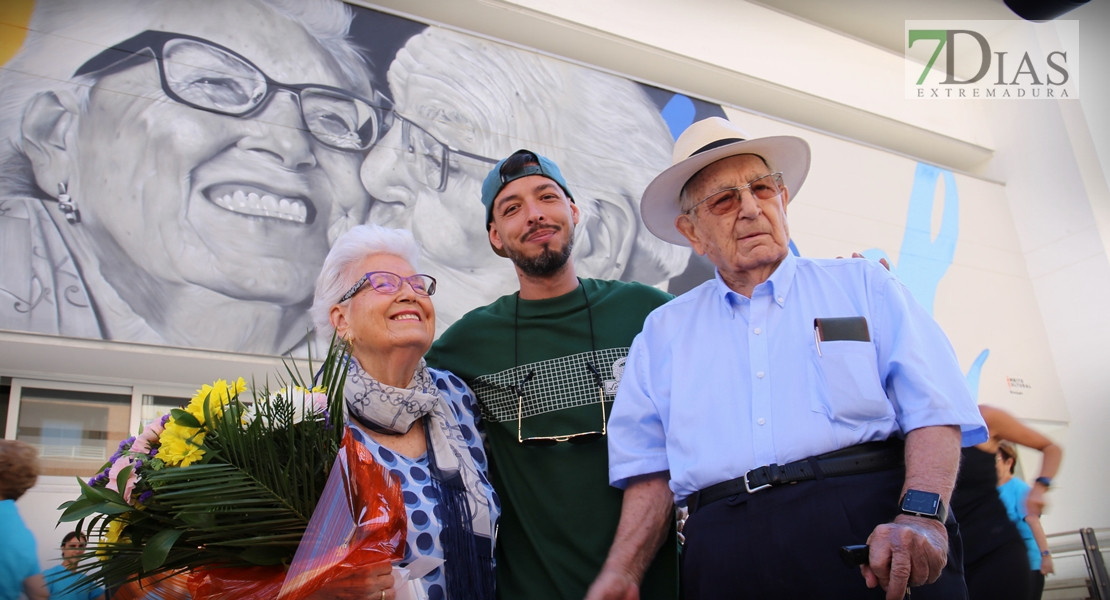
point(924, 259)
point(173, 172)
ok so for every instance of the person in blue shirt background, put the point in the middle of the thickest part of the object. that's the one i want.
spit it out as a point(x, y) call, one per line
point(19, 564)
point(792, 402)
point(1013, 492)
point(63, 582)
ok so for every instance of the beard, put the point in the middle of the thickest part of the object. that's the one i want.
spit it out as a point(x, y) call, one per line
point(546, 263)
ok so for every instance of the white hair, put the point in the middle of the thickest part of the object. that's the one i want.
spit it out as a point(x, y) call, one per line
point(339, 272)
point(603, 131)
point(63, 34)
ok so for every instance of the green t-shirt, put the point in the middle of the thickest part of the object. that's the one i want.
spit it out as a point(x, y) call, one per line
point(558, 512)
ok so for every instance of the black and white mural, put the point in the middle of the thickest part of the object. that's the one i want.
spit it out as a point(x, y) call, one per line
point(173, 172)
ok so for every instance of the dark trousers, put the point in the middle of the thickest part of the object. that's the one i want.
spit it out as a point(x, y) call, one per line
point(1036, 584)
point(997, 574)
point(784, 542)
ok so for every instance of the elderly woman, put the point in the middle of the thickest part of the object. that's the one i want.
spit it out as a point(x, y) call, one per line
point(160, 185)
point(419, 423)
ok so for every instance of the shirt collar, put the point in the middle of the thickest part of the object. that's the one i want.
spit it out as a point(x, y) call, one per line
point(780, 281)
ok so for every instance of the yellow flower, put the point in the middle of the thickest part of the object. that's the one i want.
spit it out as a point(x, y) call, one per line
point(181, 446)
point(114, 529)
point(216, 396)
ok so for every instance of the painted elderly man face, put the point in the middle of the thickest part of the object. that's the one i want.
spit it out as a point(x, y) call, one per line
point(404, 173)
point(425, 175)
point(170, 194)
point(752, 235)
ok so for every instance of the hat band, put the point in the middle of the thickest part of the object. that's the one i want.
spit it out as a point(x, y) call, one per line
point(716, 144)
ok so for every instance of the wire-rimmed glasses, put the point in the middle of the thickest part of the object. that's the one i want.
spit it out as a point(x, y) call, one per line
point(574, 438)
point(207, 76)
point(428, 159)
point(386, 282)
point(723, 202)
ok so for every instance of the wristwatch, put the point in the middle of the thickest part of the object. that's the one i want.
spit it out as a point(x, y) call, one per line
point(1045, 481)
point(1045, 553)
point(924, 504)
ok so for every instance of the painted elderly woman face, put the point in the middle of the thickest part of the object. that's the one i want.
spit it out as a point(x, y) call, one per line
point(242, 206)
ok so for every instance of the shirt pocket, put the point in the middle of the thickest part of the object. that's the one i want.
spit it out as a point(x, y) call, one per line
point(846, 386)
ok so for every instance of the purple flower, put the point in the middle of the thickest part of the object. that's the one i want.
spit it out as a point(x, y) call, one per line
point(327, 419)
point(145, 497)
point(165, 419)
point(115, 457)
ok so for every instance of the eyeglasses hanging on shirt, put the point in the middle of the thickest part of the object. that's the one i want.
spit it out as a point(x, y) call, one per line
point(574, 438)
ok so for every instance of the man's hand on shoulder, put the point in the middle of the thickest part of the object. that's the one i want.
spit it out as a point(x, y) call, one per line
point(910, 551)
point(612, 584)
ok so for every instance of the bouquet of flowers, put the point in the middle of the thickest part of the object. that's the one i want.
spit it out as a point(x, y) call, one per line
point(221, 492)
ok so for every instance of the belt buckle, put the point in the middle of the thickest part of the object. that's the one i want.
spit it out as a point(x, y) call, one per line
point(748, 485)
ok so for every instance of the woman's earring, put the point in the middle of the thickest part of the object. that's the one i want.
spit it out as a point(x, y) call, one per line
point(67, 205)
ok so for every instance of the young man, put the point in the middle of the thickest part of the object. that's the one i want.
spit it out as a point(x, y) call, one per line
point(544, 363)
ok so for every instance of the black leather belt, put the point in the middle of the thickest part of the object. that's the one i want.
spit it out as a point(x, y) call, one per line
point(855, 460)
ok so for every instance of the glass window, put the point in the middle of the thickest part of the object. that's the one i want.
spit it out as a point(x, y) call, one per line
point(156, 406)
point(74, 431)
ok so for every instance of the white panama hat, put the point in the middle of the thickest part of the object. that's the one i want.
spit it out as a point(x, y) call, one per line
point(704, 143)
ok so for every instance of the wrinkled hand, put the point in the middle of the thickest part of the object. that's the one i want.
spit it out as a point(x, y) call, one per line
point(1034, 503)
point(612, 584)
point(882, 261)
point(911, 551)
point(1047, 568)
point(363, 583)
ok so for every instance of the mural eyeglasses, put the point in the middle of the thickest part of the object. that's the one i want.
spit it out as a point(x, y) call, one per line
point(726, 201)
point(207, 76)
point(428, 159)
point(385, 282)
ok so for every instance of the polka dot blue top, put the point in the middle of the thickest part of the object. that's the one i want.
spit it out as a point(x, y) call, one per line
point(421, 505)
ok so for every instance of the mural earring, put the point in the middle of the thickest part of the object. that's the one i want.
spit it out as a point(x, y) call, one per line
point(67, 205)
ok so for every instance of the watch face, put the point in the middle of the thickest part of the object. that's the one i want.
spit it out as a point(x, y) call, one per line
point(917, 501)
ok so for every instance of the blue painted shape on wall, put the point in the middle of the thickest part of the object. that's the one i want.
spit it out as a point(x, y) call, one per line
point(679, 114)
point(973, 373)
point(923, 261)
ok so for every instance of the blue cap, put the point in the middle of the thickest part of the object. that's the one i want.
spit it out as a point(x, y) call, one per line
point(496, 180)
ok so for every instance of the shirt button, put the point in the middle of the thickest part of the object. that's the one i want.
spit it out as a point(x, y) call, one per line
point(779, 299)
point(761, 421)
point(759, 374)
point(758, 331)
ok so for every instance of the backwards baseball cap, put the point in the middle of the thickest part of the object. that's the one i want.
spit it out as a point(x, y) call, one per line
point(527, 163)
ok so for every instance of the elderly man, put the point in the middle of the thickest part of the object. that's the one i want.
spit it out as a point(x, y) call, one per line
point(543, 363)
point(798, 405)
point(174, 170)
point(462, 99)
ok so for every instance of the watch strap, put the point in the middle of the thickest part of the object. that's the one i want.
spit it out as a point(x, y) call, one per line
point(1045, 481)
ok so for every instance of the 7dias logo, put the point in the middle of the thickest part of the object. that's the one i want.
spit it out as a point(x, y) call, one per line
point(990, 60)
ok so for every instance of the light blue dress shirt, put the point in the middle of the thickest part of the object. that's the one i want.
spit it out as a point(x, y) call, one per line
point(718, 384)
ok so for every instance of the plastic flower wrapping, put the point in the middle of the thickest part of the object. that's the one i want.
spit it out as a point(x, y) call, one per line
point(214, 500)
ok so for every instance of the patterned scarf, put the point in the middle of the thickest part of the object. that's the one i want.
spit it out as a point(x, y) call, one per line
point(465, 508)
